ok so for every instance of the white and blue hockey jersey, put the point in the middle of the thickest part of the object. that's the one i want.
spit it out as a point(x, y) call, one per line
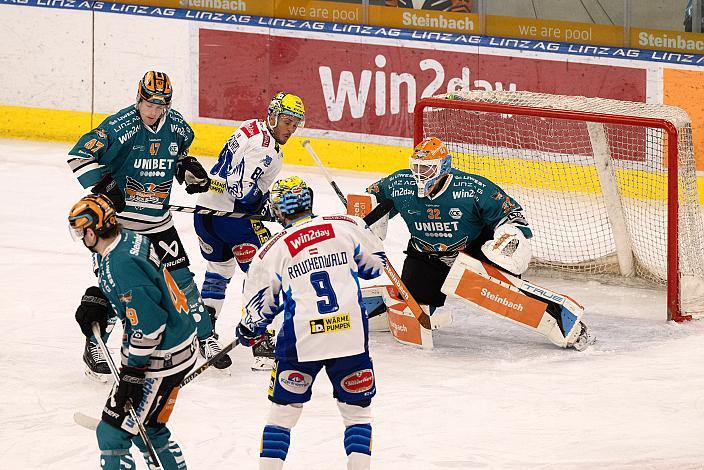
point(311, 273)
point(247, 166)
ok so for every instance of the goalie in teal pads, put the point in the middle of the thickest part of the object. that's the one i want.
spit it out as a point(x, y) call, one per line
point(159, 341)
point(132, 158)
point(449, 212)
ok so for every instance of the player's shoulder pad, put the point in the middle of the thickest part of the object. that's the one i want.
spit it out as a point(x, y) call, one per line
point(122, 120)
point(345, 218)
point(461, 178)
point(269, 243)
point(183, 128)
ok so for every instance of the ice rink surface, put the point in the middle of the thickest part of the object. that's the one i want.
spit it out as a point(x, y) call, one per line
point(490, 395)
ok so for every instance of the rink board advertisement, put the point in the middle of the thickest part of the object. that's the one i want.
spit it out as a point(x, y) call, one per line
point(359, 82)
point(372, 88)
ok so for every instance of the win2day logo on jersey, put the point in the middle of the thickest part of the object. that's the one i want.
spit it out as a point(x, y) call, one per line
point(305, 237)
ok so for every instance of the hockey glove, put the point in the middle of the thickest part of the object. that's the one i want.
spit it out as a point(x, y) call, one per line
point(131, 387)
point(509, 249)
point(94, 308)
point(108, 187)
point(190, 170)
point(245, 336)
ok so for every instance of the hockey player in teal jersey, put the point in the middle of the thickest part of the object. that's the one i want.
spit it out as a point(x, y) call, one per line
point(159, 341)
point(132, 158)
point(447, 211)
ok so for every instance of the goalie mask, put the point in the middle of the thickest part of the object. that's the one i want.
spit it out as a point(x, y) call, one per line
point(429, 162)
point(286, 104)
point(290, 196)
point(155, 87)
point(92, 212)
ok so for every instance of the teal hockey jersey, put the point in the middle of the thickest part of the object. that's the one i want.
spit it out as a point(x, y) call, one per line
point(468, 208)
point(141, 160)
point(159, 332)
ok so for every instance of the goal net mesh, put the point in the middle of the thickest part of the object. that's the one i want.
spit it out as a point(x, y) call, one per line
point(595, 193)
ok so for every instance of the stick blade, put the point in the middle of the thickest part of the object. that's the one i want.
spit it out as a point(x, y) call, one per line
point(85, 421)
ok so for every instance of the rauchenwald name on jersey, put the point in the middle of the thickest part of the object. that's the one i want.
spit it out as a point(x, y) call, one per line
point(455, 217)
point(312, 270)
point(141, 160)
point(147, 300)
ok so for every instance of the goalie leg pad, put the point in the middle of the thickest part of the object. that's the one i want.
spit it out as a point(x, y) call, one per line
point(553, 315)
point(375, 299)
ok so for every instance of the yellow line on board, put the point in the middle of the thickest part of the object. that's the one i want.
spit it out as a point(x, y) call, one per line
point(68, 126)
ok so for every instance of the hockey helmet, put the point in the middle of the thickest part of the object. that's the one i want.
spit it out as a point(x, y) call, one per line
point(290, 196)
point(286, 104)
point(94, 211)
point(429, 162)
point(155, 87)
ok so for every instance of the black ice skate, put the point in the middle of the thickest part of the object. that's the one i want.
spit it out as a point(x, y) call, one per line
point(209, 347)
point(97, 368)
point(264, 352)
point(213, 318)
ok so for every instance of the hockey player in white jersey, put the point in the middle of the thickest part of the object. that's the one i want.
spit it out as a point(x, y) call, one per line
point(247, 165)
point(310, 271)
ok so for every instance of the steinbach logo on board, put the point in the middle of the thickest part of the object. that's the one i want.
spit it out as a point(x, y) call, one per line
point(373, 88)
point(308, 236)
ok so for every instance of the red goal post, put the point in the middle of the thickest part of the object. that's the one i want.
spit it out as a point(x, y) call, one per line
point(610, 187)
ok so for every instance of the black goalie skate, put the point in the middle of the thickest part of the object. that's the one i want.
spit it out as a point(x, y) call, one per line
point(97, 368)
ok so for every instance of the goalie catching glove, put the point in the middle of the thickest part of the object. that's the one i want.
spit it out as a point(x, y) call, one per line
point(190, 171)
point(510, 249)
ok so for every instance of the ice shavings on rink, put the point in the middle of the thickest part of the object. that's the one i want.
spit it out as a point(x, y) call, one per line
point(489, 396)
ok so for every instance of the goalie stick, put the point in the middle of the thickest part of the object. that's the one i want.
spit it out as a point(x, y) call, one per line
point(201, 211)
point(422, 317)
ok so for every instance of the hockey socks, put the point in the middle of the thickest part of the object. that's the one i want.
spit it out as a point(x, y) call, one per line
point(358, 446)
point(274, 448)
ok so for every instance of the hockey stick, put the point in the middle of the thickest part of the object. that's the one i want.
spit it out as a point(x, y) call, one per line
point(201, 211)
point(209, 363)
point(422, 317)
point(91, 423)
point(128, 405)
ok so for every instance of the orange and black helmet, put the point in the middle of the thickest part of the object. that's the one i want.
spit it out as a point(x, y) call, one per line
point(94, 211)
point(155, 87)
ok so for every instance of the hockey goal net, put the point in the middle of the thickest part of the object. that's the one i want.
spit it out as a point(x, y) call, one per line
point(609, 187)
